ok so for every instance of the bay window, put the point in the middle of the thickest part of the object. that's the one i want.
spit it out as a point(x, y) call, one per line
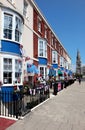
point(12, 26)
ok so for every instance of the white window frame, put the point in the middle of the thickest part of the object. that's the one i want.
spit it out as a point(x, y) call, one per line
point(44, 75)
point(65, 64)
point(61, 61)
point(45, 32)
point(14, 15)
point(18, 29)
point(13, 70)
point(39, 26)
point(7, 70)
point(54, 57)
point(18, 70)
point(7, 27)
point(42, 48)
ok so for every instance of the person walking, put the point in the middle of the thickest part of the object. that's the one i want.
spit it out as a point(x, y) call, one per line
point(79, 79)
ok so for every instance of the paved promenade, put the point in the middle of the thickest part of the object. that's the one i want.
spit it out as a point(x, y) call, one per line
point(65, 111)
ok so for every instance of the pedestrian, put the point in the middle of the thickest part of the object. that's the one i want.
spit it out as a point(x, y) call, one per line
point(79, 79)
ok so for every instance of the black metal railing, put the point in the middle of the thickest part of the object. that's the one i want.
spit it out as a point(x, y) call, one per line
point(18, 103)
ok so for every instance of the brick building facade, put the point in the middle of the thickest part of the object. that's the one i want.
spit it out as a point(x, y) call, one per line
point(27, 38)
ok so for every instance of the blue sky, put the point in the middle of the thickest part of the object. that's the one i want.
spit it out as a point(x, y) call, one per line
point(67, 19)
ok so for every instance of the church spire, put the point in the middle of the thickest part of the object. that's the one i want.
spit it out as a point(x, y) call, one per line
point(78, 55)
point(78, 63)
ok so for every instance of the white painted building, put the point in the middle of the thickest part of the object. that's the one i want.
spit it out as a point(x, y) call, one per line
point(16, 40)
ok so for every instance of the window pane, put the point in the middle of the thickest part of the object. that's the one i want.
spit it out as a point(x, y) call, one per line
point(39, 25)
point(8, 26)
point(18, 29)
point(43, 72)
point(18, 70)
point(43, 48)
point(7, 71)
point(7, 64)
point(54, 56)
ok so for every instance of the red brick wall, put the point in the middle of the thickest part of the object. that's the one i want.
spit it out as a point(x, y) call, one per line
point(48, 55)
point(62, 52)
point(35, 37)
point(35, 46)
point(35, 21)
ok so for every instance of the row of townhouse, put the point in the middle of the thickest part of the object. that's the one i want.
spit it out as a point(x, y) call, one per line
point(27, 38)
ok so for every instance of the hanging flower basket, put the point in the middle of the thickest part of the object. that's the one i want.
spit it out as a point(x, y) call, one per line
point(25, 86)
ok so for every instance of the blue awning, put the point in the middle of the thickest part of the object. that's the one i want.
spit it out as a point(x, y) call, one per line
point(62, 68)
point(52, 72)
point(32, 69)
point(70, 72)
